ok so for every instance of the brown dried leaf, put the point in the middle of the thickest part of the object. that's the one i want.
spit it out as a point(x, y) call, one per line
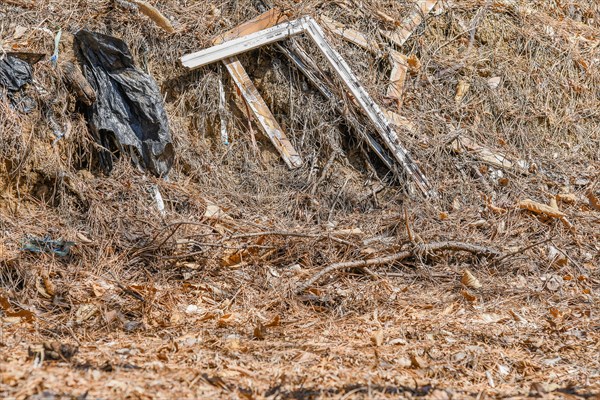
point(461, 90)
point(568, 198)
point(377, 338)
point(276, 321)
point(492, 207)
point(259, 331)
point(418, 362)
point(414, 64)
point(540, 208)
point(594, 202)
point(468, 296)
point(226, 320)
point(517, 317)
point(49, 286)
point(555, 312)
point(41, 290)
point(469, 280)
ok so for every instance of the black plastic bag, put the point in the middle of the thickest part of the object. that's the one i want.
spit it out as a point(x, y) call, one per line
point(128, 114)
point(14, 73)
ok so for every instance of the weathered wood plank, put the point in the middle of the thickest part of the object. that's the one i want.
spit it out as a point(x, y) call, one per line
point(265, 20)
point(249, 92)
point(262, 113)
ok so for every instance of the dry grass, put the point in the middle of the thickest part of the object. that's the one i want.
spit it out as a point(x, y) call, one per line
point(184, 305)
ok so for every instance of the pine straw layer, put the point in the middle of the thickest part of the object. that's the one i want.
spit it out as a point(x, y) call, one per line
point(187, 306)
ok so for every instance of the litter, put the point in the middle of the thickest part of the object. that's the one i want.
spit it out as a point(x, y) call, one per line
point(46, 245)
point(398, 61)
point(406, 28)
point(14, 73)
point(488, 156)
point(128, 115)
point(54, 58)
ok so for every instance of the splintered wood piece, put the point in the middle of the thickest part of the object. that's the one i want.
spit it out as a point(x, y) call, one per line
point(223, 113)
point(262, 113)
point(400, 35)
point(397, 77)
point(397, 60)
point(400, 121)
point(488, 156)
point(350, 35)
point(263, 21)
point(377, 117)
point(152, 12)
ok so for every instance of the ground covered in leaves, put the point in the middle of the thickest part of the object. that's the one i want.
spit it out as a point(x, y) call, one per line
point(233, 287)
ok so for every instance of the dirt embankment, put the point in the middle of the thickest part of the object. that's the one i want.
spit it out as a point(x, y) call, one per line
point(211, 283)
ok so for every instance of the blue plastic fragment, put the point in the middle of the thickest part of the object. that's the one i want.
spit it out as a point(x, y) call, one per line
point(59, 247)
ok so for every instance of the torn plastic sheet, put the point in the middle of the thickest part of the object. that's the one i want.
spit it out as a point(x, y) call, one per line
point(128, 115)
point(14, 73)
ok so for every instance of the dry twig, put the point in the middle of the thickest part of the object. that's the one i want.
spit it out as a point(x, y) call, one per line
point(417, 250)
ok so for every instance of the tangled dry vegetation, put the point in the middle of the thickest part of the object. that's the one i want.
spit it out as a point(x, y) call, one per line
point(327, 281)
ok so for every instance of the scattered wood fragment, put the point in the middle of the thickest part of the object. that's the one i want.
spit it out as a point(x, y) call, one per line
point(496, 159)
point(419, 249)
point(469, 280)
point(397, 77)
point(307, 66)
point(397, 60)
point(543, 209)
point(593, 200)
point(152, 12)
point(400, 35)
point(400, 121)
point(350, 35)
point(490, 206)
point(265, 20)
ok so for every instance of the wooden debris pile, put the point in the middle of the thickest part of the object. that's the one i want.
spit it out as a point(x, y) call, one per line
point(273, 26)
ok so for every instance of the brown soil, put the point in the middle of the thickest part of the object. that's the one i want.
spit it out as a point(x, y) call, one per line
point(202, 301)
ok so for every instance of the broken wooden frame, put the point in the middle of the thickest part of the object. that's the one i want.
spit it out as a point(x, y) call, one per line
point(309, 26)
